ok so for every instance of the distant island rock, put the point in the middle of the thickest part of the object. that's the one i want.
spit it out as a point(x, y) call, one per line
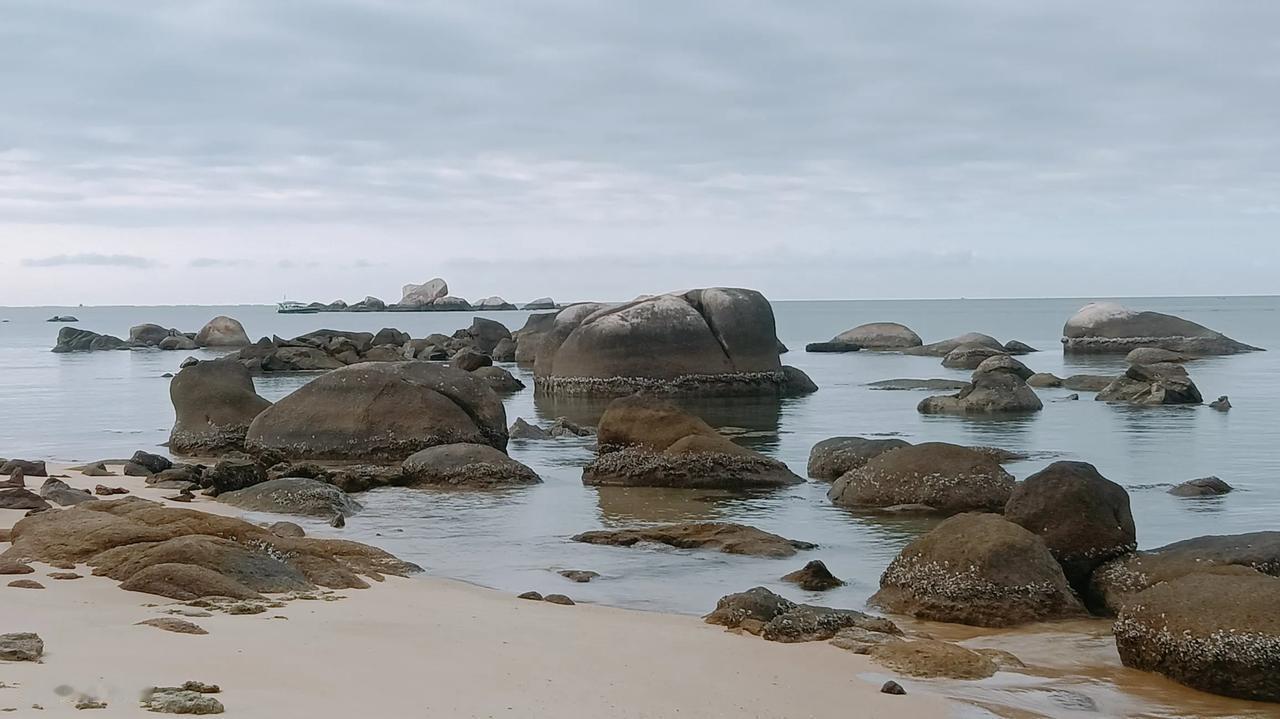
point(1109, 328)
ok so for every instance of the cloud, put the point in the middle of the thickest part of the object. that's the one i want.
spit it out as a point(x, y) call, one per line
point(214, 262)
point(89, 259)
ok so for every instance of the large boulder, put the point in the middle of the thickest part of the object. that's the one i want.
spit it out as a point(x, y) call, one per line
point(488, 333)
point(998, 385)
point(380, 411)
point(293, 495)
point(1114, 584)
point(977, 569)
point(72, 339)
point(933, 477)
point(718, 536)
point(465, 465)
point(1083, 517)
point(946, 347)
point(1108, 328)
point(222, 331)
point(1151, 385)
point(871, 336)
point(831, 458)
point(185, 554)
point(214, 403)
point(424, 294)
point(1219, 634)
point(712, 342)
point(649, 442)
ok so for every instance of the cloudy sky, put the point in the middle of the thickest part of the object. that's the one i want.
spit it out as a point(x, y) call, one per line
point(224, 151)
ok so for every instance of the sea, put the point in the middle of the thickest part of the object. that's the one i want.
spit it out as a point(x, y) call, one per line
point(90, 406)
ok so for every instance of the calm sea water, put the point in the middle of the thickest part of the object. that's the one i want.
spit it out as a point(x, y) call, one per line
point(82, 407)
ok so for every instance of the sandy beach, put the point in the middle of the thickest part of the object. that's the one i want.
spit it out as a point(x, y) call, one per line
point(422, 647)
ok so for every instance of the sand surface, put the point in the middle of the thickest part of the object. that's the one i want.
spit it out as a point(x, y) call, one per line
point(422, 647)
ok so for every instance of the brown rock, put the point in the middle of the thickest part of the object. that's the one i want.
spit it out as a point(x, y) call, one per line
point(977, 569)
point(173, 624)
point(831, 458)
point(814, 577)
point(760, 611)
point(64, 575)
point(103, 490)
point(582, 576)
point(946, 478)
point(214, 404)
point(931, 659)
point(719, 536)
point(26, 584)
point(8, 566)
point(558, 599)
point(469, 465)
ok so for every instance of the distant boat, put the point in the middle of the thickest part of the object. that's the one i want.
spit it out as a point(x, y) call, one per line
point(296, 308)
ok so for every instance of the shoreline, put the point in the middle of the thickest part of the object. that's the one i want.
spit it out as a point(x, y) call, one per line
point(422, 646)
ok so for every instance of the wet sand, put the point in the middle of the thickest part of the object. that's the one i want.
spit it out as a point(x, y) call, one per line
point(423, 647)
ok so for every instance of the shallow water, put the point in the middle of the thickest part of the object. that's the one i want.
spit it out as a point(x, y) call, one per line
point(108, 404)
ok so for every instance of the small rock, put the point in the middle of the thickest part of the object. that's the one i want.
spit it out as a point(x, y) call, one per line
point(201, 687)
point(26, 584)
point(1203, 487)
point(581, 576)
point(532, 596)
point(892, 687)
point(90, 703)
point(814, 577)
point(171, 624)
point(338, 521)
point(287, 529)
point(8, 566)
point(558, 599)
point(65, 575)
point(173, 700)
point(21, 647)
point(1222, 404)
point(103, 490)
point(182, 496)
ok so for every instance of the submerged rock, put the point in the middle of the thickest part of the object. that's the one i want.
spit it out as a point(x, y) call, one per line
point(931, 659)
point(943, 385)
point(1155, 384)
point(724, 537)
point(938, 477)
point(977, 569)
point(466, 465)
point(1103, 327)
point(1083, 517)
point(871, 336)
point(1219, 634)
point(814, 577)
point(649, 442)
point(831, 458)
point(1202, 487)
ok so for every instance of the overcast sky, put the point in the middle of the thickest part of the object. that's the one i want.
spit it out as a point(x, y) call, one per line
point(237, 151)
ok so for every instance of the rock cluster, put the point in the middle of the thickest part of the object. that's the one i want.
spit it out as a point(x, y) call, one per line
point(998, 386)
point(220, 332)
point(1155, 384)
point(777, 619)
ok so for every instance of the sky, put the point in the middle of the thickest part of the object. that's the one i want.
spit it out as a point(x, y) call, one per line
point(228, 151)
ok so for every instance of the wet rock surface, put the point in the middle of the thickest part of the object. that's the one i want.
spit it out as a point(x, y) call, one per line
point(937, 477)
point(814, 577)
point(465, 465)
point(831, 458)
point(761, 612)
point(1157, 384)
point(724, 537)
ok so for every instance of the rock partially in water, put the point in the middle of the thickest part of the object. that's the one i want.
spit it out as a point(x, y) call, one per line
point(293, 495)
point(977, 569)
point(724, 537)
point(831, 458)
point(71, 339)
point(465, 465)
point(1083, 517)
point(1114, 583)
point(945, 347)
point(1044, 379)
point(871, 336)
point(234, 472)
point(777, 619)
point(969, 356)
point(998, 386)
point(1155, 355)
point(1156, 384)
point(1219, 634)
point(1221, 404)
point(185, 554)
point(499, 379)
point(214, 403)
point(649, 442)
point(710, 342)
point(936, 385)
point(945, 478)
point(861, 641)
point(222, 331)
point(582, 576)
point(1202, 487)
point(892, 687)
point(1014, 347)
point(381, 411)
point(814, 577)
point(558, 599)
point(931, 659)
point(1087, 382)
point(1107, 328)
